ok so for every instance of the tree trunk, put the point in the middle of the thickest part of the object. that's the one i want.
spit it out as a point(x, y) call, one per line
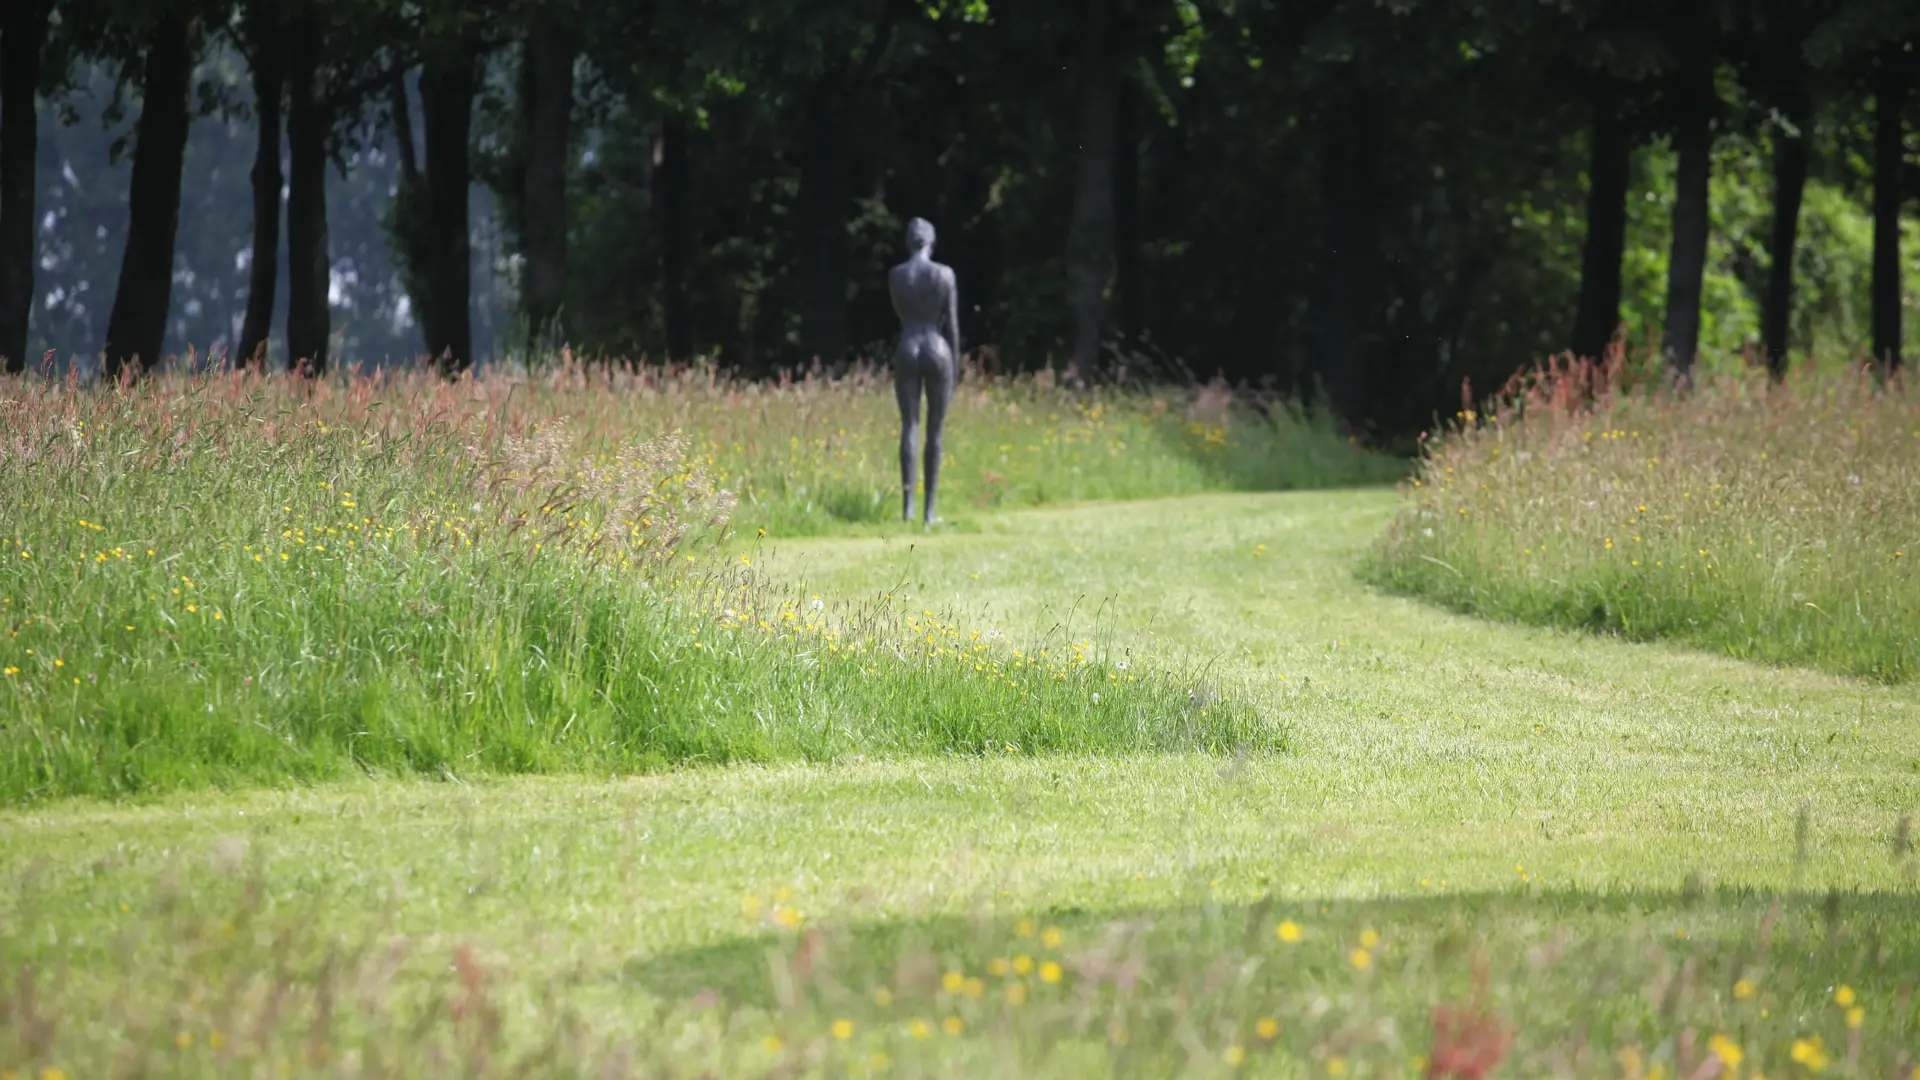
point(137, 328)
point(406, 222)
point(826, 199)
point(1129, 316)
point(1349, 178)
point(1687, 263)
point(23, 33)
point(549, 63)
point(1608, 170)
point(309, 270)
point(269, 63)
point(447, 84)
point(1789, 184)
point(1889, 107)
point(675, 237)
point(1164, 213)
point(1090, 235)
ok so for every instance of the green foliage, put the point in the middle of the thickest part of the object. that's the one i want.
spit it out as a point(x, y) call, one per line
point(1832, 260)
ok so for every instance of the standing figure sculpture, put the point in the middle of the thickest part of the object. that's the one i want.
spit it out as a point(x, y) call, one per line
point(928, 303)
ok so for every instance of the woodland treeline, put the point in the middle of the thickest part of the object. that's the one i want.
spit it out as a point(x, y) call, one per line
point(1363, 200)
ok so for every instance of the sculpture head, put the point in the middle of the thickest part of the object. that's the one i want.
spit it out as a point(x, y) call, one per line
point(919, 235)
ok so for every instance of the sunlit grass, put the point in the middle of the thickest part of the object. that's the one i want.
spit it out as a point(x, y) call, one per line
point(1774, 522)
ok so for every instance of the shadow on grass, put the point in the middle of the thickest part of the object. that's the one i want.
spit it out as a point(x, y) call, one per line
point(1534, 981)
point(1292, 450)
point(1828, 938)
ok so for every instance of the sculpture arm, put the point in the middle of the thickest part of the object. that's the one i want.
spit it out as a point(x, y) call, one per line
point(953, 323)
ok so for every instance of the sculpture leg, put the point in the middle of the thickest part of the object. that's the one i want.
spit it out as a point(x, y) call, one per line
point(906, 391)
point(939, 393)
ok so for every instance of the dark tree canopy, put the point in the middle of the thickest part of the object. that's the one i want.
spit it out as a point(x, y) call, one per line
point(1362, 204)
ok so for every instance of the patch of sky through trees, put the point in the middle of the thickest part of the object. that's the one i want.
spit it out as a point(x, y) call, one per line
point(82, 175)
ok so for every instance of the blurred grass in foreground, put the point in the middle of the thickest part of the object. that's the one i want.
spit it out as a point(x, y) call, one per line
point(216, 972)
point(1774, 522)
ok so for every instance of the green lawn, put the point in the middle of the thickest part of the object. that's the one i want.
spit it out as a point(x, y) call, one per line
point(1599, 829)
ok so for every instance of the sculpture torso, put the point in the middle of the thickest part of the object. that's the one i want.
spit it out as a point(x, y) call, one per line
point(924, 298)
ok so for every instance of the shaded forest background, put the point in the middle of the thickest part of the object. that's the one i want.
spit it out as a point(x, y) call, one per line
point(1363, 201)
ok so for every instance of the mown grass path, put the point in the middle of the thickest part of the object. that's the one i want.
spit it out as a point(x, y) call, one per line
point(1594, 759)
point(1439, 761)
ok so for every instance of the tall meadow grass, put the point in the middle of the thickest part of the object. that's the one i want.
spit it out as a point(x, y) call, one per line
point(814, 454)
point(1778, 522)
point(226, 579)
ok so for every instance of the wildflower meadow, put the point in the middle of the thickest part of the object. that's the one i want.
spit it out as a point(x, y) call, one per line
point(1776, 522)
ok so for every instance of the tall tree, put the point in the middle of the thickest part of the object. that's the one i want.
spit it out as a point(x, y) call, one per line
point(309, 133)
point(848, 51)
point(406, 218)
point(137, 328)
point(1609, 168)
point(1789, 186)
point(1090, 236)
point(1692, 118)
point(1889, 166)
point(265, 40)
point(1770, 47)
point(23, 35)
point(825, 202)
point(1350, 138)
point(449, 78)
point(1129, 279)
point(550, 50)
point(676, 240)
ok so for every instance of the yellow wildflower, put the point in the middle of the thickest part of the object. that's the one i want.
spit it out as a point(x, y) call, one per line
point(1810, 1052)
